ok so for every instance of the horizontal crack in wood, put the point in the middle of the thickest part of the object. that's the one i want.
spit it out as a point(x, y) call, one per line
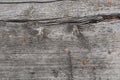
point(23, 2)
point(80, 20)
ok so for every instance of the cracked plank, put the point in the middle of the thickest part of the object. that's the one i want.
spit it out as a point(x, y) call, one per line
point(79, 20)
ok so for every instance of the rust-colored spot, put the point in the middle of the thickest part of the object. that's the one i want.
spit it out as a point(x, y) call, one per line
point(65, 50)
point(94, 67)
point(25, 39)
point(84, 62)
point(110, 3)
point(113, 18)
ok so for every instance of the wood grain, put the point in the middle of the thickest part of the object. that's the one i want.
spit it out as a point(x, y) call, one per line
point(59, 40)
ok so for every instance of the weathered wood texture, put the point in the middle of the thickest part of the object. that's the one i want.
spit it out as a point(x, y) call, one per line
point(58, 9)
point(59, 40)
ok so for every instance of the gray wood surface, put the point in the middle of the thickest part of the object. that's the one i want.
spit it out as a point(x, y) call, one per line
point(59, 40)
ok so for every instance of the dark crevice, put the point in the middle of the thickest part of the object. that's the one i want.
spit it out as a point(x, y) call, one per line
point(24, 2)
point(69, 28)
point(70, 74)
point(110, 16)
point(72, 20)
point(55, 73)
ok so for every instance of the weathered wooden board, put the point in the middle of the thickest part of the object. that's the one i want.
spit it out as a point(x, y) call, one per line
point(59, 40)
point(57, 9)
